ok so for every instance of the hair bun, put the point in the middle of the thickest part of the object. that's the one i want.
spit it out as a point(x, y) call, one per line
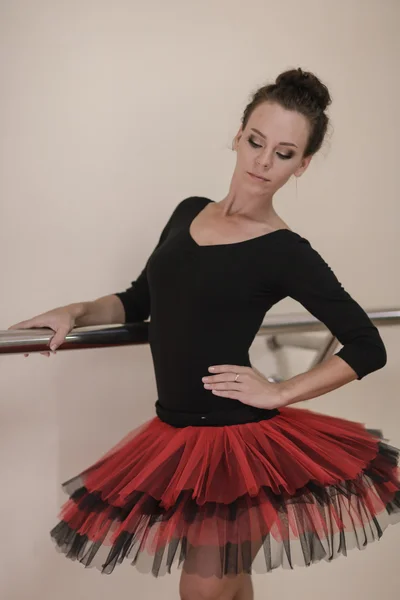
point(307, 82)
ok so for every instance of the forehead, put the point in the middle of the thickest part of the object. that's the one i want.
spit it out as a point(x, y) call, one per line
point(279, 124)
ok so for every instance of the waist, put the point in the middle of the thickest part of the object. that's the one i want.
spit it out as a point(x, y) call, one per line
point(238, 416)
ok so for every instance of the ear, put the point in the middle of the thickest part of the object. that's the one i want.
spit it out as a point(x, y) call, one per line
point(236, 139)
point(303, 166)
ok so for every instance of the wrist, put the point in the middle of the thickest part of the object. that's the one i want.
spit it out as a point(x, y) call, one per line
point(77, 310)
point(284, 397)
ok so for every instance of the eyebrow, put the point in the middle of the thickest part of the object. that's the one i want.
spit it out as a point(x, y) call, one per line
point(280, 143)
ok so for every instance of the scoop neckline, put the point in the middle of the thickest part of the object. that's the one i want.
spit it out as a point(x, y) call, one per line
point(258, 237)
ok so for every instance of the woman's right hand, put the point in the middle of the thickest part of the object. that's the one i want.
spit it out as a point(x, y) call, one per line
point(60, 320)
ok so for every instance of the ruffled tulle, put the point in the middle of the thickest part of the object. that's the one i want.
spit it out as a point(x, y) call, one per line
point(291, 490)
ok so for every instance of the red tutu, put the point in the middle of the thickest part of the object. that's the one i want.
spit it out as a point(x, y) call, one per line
point(286, 491)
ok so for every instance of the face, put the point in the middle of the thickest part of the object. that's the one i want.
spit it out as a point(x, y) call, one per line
point(271, 146)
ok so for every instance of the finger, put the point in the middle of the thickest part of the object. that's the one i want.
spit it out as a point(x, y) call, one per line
point(58, 338)
point(28, 324)
point(224, 386)
point(224, 377)
point(231, 394)
point(26, 355)
point(217, 378)
point(227, 368)
point(17, 325)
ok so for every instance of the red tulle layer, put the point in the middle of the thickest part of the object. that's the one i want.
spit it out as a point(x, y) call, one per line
point(298, 476)
point(219, 464)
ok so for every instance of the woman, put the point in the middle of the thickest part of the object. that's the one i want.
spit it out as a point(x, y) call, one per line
point(229, 477)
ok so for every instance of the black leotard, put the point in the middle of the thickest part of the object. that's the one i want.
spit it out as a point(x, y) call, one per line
point(208, 302)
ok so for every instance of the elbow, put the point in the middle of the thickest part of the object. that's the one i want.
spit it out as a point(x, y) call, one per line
point(377, 352)
point(380, 357)
point(375, 358)
point(364, 357)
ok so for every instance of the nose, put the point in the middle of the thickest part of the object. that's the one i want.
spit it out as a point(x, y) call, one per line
point(264, 160)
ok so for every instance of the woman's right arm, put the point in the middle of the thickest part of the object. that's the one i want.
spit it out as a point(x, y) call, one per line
point(106, 310)
point(130, 305)
point(103, 311)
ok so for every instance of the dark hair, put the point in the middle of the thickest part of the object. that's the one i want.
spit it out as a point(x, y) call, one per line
point(300, 91)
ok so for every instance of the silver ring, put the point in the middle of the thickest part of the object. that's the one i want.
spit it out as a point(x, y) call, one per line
point(237, 377)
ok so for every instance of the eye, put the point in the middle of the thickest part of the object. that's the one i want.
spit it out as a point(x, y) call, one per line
point(252, 142)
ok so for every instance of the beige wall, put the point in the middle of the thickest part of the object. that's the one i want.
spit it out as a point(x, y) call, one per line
point(112, 112)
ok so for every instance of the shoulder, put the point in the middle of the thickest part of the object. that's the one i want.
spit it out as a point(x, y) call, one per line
point(183, 210)
point(186, 208)
point(298, 250)
point(301, 264)
point(192, 203)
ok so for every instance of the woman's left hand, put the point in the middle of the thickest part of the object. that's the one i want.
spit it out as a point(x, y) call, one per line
point(251, 387)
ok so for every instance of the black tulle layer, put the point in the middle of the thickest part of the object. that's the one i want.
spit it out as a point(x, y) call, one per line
point(263, 545)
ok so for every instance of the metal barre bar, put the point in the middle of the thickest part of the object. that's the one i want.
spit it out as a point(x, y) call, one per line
point(36, 340)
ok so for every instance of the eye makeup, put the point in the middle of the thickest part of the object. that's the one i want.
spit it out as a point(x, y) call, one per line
point(254, 144)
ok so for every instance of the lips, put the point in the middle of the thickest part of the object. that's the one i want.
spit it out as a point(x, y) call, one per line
point(257, 176)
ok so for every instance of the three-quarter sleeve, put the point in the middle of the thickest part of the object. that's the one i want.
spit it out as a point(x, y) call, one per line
point(136, 298)
point(306, 277)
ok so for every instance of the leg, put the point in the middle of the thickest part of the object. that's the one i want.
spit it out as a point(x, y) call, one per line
point(246, 591)
point(229, 587)
point(197, 582)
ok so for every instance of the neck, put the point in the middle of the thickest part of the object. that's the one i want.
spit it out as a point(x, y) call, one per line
point(254, 206)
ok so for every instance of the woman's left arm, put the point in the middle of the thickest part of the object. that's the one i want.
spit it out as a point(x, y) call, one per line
point(321, 379)
point(306, 277)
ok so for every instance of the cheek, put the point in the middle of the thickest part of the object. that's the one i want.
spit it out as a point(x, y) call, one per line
point(283, 169)
point(244, 158)
point(284, 172)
